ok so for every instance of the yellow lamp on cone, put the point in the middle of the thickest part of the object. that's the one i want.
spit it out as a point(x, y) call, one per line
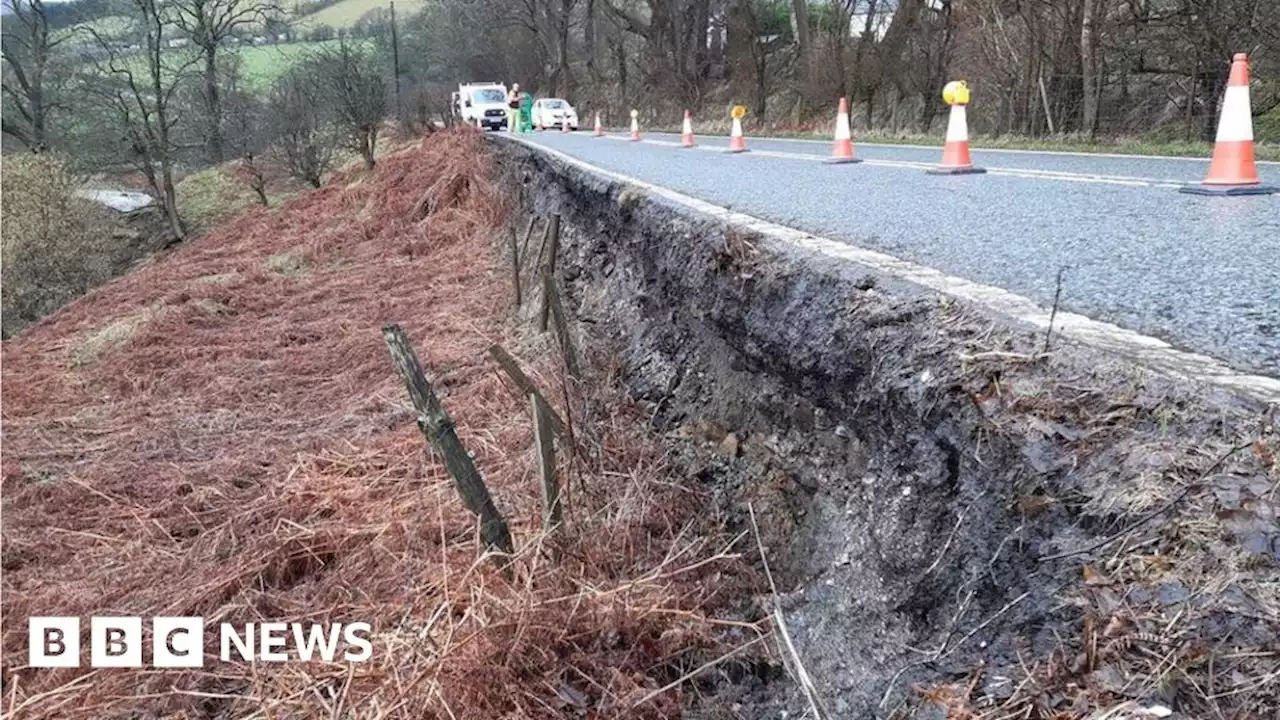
point(956, 92)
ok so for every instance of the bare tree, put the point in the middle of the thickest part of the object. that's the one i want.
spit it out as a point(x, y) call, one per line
point(804, 52)
point(209, 23)
point(675, 36)
point(254, 174)
point(28, 48)
point(142, 102)
point(303, 138)
point(354, 89)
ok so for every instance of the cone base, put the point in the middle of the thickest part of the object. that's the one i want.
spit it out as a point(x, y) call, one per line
point(841, 161)
point(967, 170)
point(1228, 190)
point(689, 146)
point(737, 150)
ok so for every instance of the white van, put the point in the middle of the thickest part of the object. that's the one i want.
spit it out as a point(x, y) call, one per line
point(481, 104)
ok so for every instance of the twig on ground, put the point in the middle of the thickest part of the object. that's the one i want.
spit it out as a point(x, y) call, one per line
point(1057, 295)
point(790, 655)
point(694, 673)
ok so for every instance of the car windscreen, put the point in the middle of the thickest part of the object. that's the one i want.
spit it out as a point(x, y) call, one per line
point(488, 95)
point(555, 104)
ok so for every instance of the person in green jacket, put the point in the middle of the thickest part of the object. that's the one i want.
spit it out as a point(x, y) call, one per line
point(526, 112)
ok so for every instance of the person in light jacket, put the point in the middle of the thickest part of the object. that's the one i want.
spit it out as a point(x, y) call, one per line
point(513, 107)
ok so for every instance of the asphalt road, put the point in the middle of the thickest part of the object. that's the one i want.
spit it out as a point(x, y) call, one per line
point(1202, 273)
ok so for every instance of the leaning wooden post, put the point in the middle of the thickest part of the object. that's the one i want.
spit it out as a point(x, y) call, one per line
point(522, 381)
point(528, 233)
point(550, 268)
point(551, 511)
point(542, 248)
point(435, 423)
point(552, 298)
point(515, 264)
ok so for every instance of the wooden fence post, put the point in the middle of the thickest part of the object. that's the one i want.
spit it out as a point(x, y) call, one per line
point(515, 264)
point(542, 246)
point(551, 299)
point(435, 423)
point(554, 229)
point(526, 386)
point(551, 511)
point(528, 233)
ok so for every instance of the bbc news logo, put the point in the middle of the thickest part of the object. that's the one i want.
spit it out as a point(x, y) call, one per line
point(178, 642)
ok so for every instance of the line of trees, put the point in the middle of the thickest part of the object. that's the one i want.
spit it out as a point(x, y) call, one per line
point(165, 94)
point(1038, 67)
point(138, 101)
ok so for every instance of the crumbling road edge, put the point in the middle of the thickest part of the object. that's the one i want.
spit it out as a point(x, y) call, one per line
point(1144, 350)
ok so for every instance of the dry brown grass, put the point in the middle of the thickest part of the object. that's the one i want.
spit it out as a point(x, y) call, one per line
point(261, 462)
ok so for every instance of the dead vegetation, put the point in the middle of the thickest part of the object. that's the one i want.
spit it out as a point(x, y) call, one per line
point(261, 463)
point(1167, 604)
point(56, 245)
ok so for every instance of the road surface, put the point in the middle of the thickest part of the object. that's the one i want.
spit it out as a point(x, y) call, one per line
point(1202, 273)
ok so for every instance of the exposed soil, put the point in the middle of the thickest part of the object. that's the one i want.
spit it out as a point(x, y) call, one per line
point(957, 525)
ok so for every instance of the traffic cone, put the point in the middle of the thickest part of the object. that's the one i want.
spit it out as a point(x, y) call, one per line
point(564, 125)
point(842, 149)
point(1232, 170)
point(635, 129)
point(599, 128)
point(955, 153)
point(737, 143)
point(686, 133)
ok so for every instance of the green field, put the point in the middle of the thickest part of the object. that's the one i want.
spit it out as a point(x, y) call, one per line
point(262, 64)
point(346, 13)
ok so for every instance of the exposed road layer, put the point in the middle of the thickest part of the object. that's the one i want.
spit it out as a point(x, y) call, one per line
point(1202, 273)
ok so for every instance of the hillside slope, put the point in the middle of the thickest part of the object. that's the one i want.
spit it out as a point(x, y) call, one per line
point(221, 434)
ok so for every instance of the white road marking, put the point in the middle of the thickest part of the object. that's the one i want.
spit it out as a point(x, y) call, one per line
point(1147, 351)
point(911, 164)
point(1017, 151)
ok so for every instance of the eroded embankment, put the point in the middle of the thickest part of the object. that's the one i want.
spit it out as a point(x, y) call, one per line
point(953, 521)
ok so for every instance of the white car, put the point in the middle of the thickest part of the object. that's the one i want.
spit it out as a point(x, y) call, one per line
point(554, 113)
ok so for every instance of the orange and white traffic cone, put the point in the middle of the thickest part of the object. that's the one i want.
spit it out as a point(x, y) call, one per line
point(564, 125)
point(686, 132)
point(955, 153)
point(635, 127)
point(599, 128)
point(1232, 170)
point(737, 143)
point(842, 149)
